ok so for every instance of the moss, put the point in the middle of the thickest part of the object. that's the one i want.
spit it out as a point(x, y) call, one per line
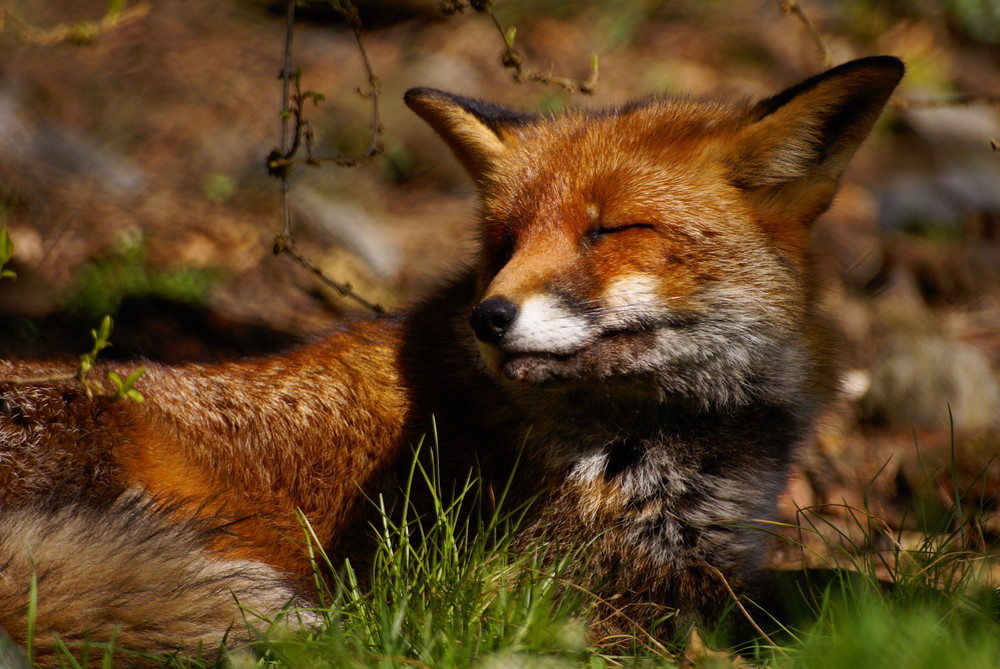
point(103, 283)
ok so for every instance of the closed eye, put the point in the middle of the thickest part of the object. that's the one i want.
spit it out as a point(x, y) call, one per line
point(613, 228)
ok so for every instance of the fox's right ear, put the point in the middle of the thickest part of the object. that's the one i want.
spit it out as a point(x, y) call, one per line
point(790, 157)
point(475, 130)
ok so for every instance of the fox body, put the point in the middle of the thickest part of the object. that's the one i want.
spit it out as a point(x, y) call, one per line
point(639, 331)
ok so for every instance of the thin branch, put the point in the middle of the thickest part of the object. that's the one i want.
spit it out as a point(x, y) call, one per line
point(514, 60)
point(286, 78)
point(294, 137)
point(31, 380)
point(373, 92)
point(293, 106)
point(91, 387)
point(793, 7)
point(283, 243)
point(286, 74)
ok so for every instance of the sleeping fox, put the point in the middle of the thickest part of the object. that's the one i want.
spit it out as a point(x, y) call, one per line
point(639, 331)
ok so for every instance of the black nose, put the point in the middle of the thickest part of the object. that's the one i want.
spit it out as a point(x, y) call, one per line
point(492, 318)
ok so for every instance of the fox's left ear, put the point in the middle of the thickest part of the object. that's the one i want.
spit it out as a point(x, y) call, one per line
point(475, 130)
point(792, 153)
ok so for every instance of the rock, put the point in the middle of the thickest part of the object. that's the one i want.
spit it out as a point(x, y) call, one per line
point(918, 377)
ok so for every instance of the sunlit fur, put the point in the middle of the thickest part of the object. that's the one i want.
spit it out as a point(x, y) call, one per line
point(645, 345)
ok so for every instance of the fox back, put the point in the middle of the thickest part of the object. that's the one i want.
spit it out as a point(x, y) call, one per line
point(639, 332)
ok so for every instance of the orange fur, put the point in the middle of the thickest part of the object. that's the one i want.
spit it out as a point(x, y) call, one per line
point(644, 339)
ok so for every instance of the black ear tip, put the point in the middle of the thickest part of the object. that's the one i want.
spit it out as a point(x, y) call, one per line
point(891, 65)
point(491, 115)
point(891, 62)
point(420, 93)
point(894, 64)
point(874, 75)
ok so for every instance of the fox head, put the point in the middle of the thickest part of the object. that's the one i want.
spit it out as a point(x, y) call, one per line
point(660, 247)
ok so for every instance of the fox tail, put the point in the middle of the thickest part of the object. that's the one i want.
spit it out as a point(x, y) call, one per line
point(128, 572)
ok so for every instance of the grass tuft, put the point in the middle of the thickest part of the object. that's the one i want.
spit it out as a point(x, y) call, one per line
point(445, 590)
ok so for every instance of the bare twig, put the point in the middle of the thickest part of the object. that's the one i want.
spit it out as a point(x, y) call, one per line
point(30, 380)
point(514, 60)
point(373, 92)
point(294, 137)
point(80, 32)
point(283, 243)
point(793, 7)
point(286, 83)
point(92, 387)
point(293, 106)
point(286, 74)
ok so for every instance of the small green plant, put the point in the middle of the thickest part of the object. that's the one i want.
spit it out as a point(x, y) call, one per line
point(102, 339)
point(123, 387)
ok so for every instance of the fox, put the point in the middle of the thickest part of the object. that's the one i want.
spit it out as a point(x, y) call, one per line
point(637, 344)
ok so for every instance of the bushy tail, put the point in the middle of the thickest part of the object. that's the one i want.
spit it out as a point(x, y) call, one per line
point(129, 572)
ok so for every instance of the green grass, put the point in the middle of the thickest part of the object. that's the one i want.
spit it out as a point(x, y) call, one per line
point(443, 592)
point(454, 591)
point(881, 632)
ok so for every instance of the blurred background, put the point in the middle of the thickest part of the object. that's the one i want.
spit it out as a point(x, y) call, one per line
point(133, 183)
